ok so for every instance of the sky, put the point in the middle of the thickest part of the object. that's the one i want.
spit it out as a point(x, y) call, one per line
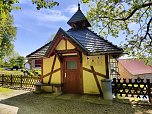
point(36, 27)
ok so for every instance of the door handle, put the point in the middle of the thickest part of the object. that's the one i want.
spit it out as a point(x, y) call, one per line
point(65, 75)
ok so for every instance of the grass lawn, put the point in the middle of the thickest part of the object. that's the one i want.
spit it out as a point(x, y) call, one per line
point(14, 72)
point(4, 90)
point(5, 72)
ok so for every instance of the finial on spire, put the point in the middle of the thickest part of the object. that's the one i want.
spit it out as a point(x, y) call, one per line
point(78, 6)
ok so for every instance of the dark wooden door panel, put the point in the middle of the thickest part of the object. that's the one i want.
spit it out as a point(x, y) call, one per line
point(71, 75)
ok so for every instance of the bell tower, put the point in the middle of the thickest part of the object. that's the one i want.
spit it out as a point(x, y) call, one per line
point(78, 20)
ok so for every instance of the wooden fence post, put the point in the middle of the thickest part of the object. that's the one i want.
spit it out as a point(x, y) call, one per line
point(2, 79)
point(21, 80)
point(115, 86)
point(149, 90)
point(11, 80)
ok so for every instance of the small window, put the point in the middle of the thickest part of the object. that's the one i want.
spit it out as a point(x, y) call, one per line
point(38, 63)
point(71, 65)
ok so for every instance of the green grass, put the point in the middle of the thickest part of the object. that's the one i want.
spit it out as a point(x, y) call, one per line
point(38, 71)
point(5, 72)
point(4, 90)
point(1, 69)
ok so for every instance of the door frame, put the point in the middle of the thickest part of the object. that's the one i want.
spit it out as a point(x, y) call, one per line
point(72, 57)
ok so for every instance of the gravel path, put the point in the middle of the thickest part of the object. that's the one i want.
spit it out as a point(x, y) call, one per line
point(30, 103)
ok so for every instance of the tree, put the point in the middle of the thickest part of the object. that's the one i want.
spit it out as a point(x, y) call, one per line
point(7, 30)
point(20, 61)
point(17, 63)
point(45, 3)
point(7, 36)
point(12, 62)
point(112, 17)
point(7, 6)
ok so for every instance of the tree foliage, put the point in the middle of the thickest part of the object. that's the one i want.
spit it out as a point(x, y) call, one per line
point(14, 60)
point(45, 3)
point(8, 5)
point(114, 16)
point(17, 62)
point(7, 30)
point(7, 35)
point(20, 61)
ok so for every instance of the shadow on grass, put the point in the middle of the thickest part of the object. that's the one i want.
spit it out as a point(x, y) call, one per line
point(30, 103)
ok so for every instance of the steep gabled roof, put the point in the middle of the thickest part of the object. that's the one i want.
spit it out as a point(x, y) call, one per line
point(70, 38)
point(135, 67)
point(39, 53)
point(92, 42)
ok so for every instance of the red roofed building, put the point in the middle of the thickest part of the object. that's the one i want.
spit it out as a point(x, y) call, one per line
point(133, 68)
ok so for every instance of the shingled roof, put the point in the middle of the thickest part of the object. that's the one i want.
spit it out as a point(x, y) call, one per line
point(93, 42)
point(39, 53)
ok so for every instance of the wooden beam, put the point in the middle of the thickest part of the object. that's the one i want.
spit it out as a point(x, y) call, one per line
point(56, 70)
point(59, 57)
point(41, 71)
point(97, 73)
point(66, 51)
point(52, 69)
point(79, 55)
point(97, 81)
point(107, 65)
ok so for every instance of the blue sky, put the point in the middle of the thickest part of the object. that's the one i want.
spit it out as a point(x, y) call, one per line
point(35, 27)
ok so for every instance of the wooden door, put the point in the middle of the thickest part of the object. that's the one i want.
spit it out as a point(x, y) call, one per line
point(71, 75)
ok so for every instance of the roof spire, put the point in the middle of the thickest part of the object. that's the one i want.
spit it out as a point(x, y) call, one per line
point(78, 6)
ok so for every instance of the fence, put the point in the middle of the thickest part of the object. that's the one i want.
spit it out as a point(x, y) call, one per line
point(18, 82)
point(139, 88)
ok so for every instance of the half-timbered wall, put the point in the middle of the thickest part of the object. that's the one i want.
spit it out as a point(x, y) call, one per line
point(91, 76)
point(48, 63)
point(47, 66)
point(69, 45)
point(61, 45)
point(89, 83)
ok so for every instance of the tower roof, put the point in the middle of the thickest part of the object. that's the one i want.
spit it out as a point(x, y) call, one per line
point(79, 18)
